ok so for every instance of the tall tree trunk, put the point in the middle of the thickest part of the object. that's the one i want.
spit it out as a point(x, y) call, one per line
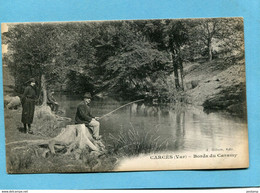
point(183, 123)
point(175, 70)
point(181, 71)
point(44, 91)
point(210, 50)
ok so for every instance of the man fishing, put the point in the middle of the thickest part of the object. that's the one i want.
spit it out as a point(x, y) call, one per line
point(83, 116)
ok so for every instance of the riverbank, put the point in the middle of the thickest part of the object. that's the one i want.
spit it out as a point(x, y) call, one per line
point(26, 158)
point(217, 85)
point(27, 153)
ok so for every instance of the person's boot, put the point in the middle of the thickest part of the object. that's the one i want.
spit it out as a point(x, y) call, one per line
point(97, 137)
point(24, 128)
point(29, 129)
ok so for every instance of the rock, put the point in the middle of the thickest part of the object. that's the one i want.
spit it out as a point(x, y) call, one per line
point(12, 102)
point(44, 113)
point(7, 99)
point(192, 84)
point(231, 99)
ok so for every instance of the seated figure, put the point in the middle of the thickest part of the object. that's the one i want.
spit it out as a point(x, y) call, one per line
point(51, 101)
point(83, 116)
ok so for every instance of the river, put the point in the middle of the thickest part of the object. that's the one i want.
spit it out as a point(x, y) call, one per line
point(186, 129)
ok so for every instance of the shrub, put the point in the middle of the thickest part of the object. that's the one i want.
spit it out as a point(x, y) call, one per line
point(20, 160)
point(135, 142)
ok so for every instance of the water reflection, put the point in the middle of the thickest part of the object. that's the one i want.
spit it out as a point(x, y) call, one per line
point(185, 128)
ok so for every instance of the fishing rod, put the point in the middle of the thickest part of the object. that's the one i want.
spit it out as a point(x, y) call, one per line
point(119, 108)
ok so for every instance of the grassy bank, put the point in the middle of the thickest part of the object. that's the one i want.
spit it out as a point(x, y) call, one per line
point(29, 158)
point(24, 158)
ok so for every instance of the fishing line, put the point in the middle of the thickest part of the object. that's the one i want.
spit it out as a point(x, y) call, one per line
point(119, 108)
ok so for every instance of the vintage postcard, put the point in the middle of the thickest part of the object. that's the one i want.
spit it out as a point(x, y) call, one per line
point(128, 95)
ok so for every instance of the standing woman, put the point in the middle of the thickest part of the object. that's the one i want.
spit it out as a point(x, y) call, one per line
point(28, 104)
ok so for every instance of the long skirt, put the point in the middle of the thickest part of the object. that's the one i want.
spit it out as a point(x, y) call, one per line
point(28, 111)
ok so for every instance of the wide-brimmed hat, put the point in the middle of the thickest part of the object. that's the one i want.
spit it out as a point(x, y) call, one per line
point(31, 80)
point(87, 95)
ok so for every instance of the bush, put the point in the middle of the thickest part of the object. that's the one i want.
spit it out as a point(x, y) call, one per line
point(19, 161)
point(134, 142)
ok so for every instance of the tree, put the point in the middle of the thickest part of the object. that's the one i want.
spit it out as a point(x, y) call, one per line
point(134, 64)
point(121, 58)
point(176, 36)
point(48, 52)
point(30, 57)
point(218, 34)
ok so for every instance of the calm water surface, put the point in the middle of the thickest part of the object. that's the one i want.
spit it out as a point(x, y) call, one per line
point(187, 129)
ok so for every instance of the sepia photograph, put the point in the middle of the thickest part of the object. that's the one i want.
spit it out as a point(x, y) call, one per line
point(125, 95)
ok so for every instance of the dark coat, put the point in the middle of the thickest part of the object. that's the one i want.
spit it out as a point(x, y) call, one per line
point(83, 114)
point(28, 103)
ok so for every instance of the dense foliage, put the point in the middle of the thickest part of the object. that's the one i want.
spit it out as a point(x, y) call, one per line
point(127, 59)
